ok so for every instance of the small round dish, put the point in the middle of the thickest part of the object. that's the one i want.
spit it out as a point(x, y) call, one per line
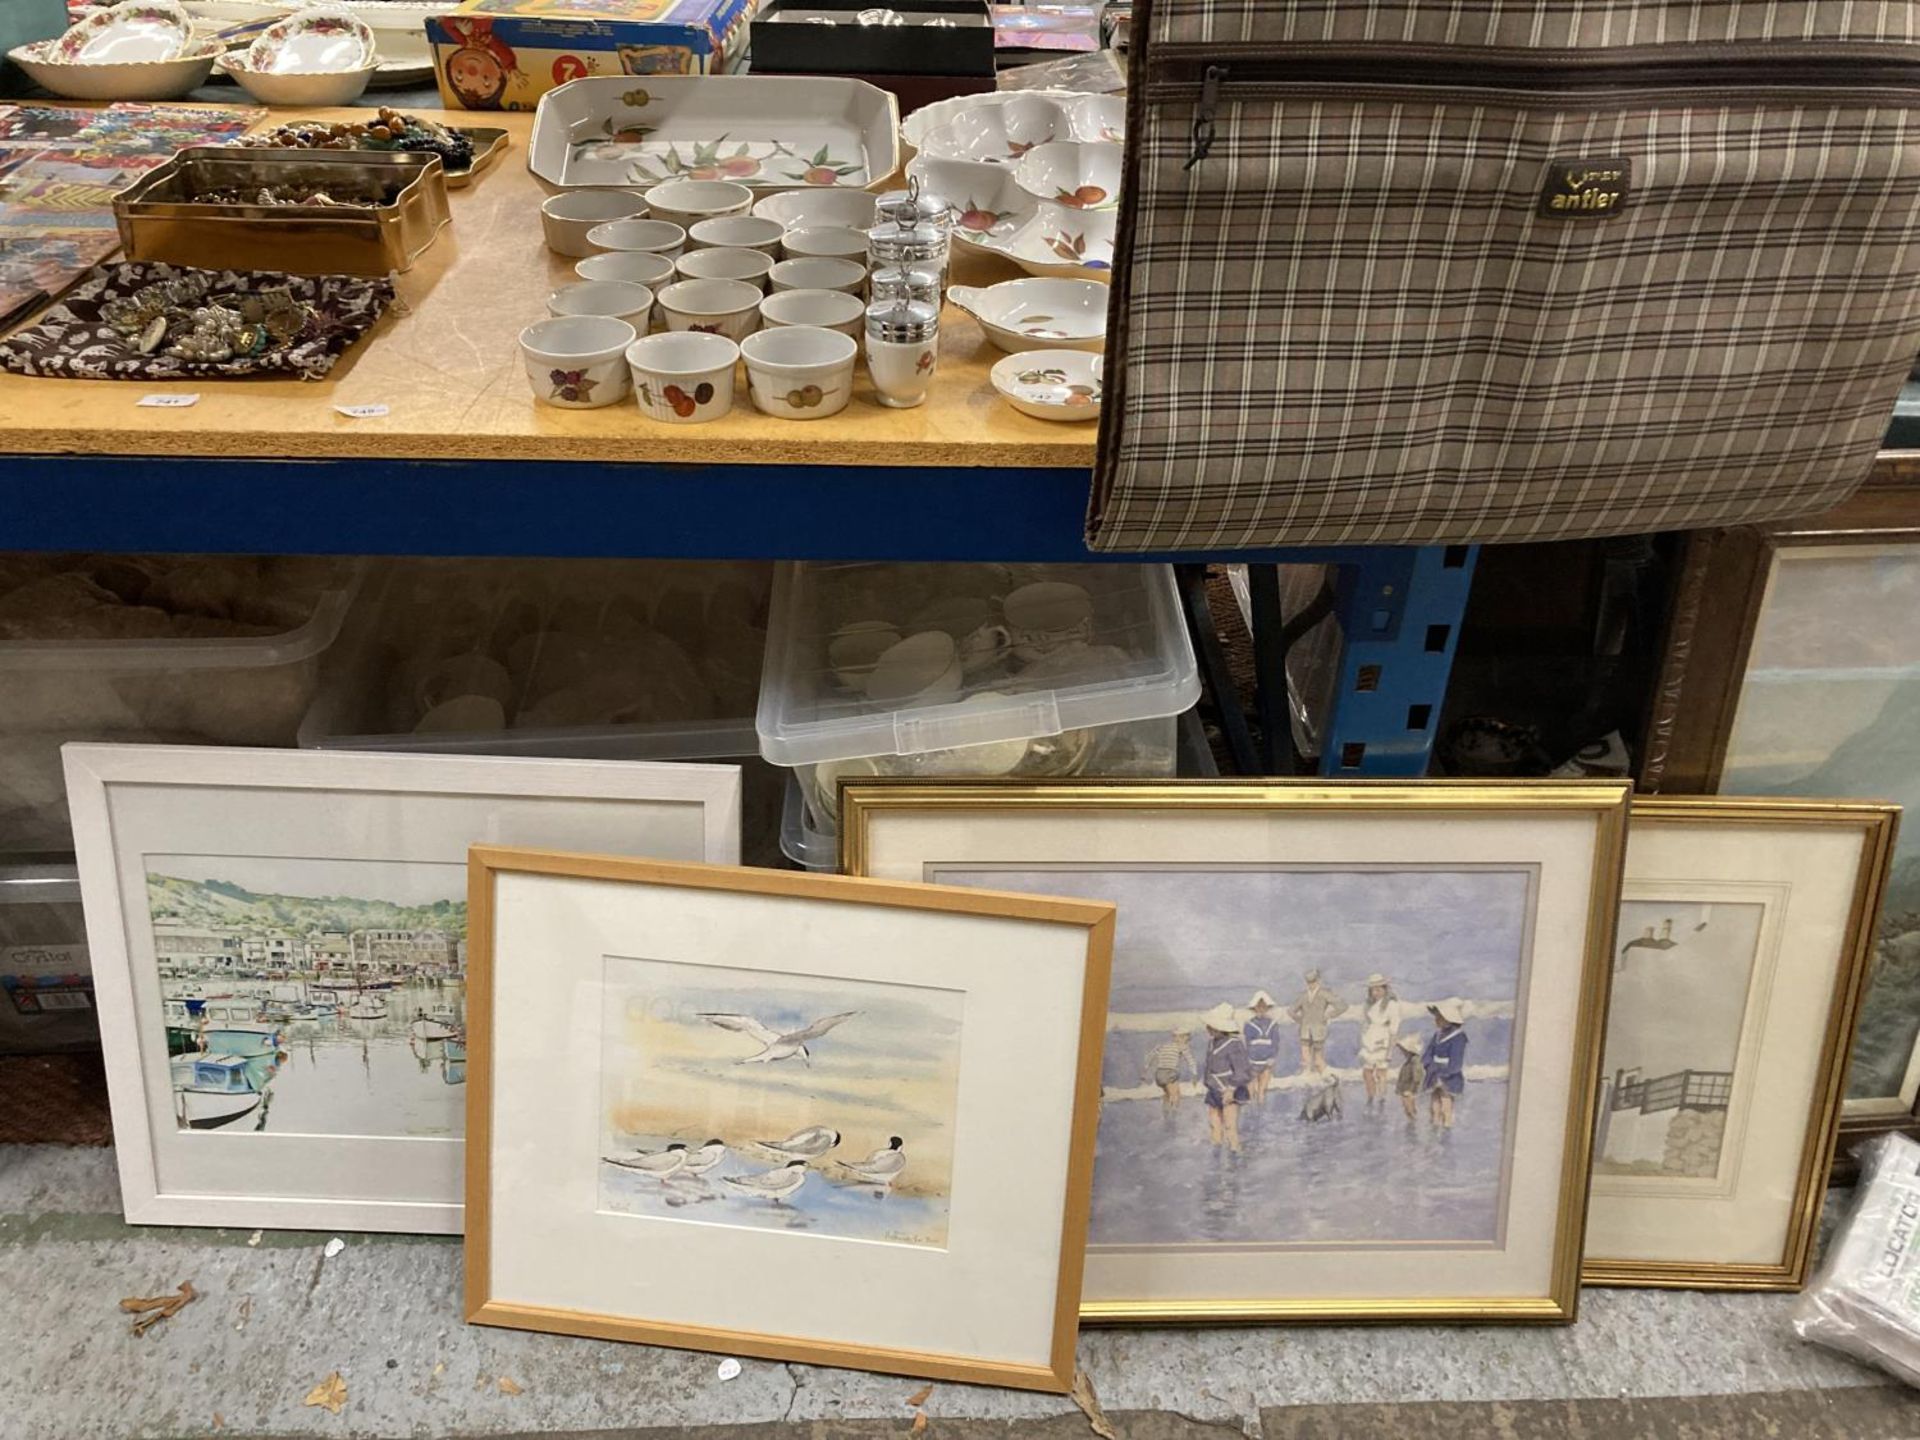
point(819, 272)
point(622, 299)
point(314, 41)
point(1050, 384)
point(687, 202)
point(641, 267)
point(737, 232)
point(683, 378)
point(131, 80)
point(748, 265)
point(1075, 175)
point(800, 372)
point(1037, 314)
point(578, 362)
point(793, 209)
point(712, 307)
point(839, 242)
point(826, 309)
point(296, 89)
point(153, 30)
point(653, 236)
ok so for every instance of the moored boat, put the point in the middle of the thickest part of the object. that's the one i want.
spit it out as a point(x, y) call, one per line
point(212, 1091)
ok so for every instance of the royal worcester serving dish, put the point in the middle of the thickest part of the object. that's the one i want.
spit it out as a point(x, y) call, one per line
point(1038, 314)
point(1050, 384)
point(768, 132)
point(1000, 133)
point(713, 307)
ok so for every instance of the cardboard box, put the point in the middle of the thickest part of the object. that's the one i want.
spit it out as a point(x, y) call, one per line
point(825, 37)
point(506, 54)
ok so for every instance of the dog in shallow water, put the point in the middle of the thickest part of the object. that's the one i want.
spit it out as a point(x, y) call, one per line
point(1322, 1100)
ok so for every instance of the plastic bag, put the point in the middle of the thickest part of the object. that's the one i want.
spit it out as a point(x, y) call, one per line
point(1866, 1298)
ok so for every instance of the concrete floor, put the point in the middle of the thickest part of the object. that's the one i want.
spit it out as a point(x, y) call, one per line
point(277, 1316)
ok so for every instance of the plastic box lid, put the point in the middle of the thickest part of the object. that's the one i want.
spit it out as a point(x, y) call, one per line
point(1037, 650)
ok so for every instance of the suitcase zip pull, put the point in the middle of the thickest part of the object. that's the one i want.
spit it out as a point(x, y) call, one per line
point(1203, 115)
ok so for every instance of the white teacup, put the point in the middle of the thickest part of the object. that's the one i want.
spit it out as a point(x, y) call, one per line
point(828, 309)
point(714, 307)
point(567, 219)
point(578, 362)
point(737, 232)
point(834, 241)
point(922, 667)
point(854, 649)
point(641, 267)
point(799, 372)
point(683, 378)
point(819, 272)
point(1047, 616)
point(653, 237)
point(726, 264)
point(687, 202)
point(622, 299)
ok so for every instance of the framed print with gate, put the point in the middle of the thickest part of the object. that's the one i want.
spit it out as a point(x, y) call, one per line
point(1744, 936)
point(1353, 1035)
point(793, 1116)
point(279, 944)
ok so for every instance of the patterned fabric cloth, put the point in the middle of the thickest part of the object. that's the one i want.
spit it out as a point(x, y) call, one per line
point(71, 340)
point(1355, 322)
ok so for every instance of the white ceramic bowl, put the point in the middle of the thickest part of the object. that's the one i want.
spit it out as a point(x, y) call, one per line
point(837, 242)
point(651, 236)
point(793, 209)
point(1020, 315)
point(130, 80)
point(315, 39)
point(642, 267)
point(737, 232)
point(800, 372)
point(748, 265)
point(622, 299)
point(714, 307)
point(819, 272)
point(567, 219)
point(683, 378)
point(578, 362)
point(1050, 384)
point(154, 30)
point(826, 309)
point(295, 90)
point(687, 202)
point(1071, 174)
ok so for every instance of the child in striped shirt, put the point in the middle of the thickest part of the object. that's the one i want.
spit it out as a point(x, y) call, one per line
point(1166, 1061)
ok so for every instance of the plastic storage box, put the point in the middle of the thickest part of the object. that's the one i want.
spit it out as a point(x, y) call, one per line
point(1023, 670)
point(588, 659)
point(46, 980)
point(207, 650)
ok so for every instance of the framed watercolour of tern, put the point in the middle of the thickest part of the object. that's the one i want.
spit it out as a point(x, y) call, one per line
point(1353, 1035)
point(279, 945)
point(797, 1117)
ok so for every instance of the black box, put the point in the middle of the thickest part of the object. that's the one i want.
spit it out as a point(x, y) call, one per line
point(788, 38)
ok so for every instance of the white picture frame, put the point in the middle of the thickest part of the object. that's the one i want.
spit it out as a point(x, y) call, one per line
point(184, 818)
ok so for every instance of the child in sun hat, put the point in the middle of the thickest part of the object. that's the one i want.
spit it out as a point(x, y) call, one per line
point(1444, 1060)
point(1262, 1034)
point(1407, 1084)
point(1226, 1075)
point(1379, 1022)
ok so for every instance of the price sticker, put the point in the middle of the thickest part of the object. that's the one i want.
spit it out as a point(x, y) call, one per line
point(168, 402)
point(362, 412)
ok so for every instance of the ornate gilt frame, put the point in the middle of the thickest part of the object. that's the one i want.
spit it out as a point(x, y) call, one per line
point(1878, 825)
point(1606, 801)
point(485, 862)
point(1714, 611)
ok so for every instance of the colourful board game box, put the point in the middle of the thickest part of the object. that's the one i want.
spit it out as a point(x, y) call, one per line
point(506, 54)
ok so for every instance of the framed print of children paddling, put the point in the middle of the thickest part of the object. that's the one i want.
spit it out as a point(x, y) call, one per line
point(1352, 1032)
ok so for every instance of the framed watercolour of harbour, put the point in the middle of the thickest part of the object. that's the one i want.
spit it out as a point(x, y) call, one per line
point(798, 1117)
point(279, 944)
point(1353, 1034)
point(1745, 935)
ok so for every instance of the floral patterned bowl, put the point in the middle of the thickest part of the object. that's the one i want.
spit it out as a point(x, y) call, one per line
point(126, 34)
point(1020, 315)
point(1071, 175)
point(313, 42)
point(800, 372)
point(127, 80)
point(1051, 384)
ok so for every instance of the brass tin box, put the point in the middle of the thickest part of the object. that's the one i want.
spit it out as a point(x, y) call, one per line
point(163, 217)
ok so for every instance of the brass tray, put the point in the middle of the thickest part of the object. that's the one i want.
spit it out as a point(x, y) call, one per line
point(488, 145)
point(160, 218)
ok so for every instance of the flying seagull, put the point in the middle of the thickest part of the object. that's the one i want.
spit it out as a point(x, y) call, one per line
point(882, 1167)
point(774, 1045)
point(808, 1144)
point(660, 1164)
point(773, 1185)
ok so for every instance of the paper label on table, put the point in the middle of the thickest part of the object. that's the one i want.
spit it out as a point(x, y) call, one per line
point(362, 412)
point(169, 402)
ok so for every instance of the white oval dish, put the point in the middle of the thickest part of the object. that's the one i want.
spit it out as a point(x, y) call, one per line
point(1050, 384)
point(144, 33)
point(313, 42)
point(1038, 314)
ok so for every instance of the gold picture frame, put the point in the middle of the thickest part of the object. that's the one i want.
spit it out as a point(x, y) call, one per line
point(488, 864)
point(869, 807)
point(1877, 827)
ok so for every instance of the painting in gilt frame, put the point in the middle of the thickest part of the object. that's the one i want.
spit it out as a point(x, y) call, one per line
point(797, 1117)
point(1744, 938)
point(279, 944)
point(1353, 1034)
point(1792, 668)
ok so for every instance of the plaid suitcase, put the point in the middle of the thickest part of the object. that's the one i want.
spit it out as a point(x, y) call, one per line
point(1422, 271)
